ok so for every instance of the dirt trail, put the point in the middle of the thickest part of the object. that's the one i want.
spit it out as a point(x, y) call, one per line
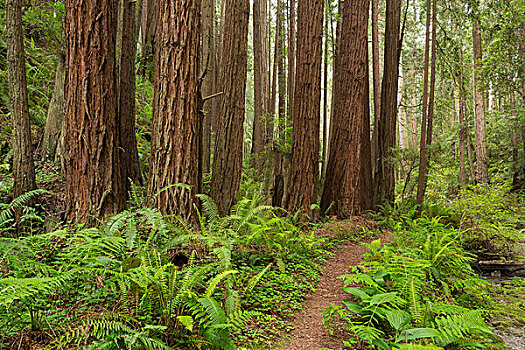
point(309, 332)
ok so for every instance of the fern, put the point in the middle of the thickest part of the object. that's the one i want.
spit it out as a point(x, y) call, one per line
point(210, 208)
point(19, 203)
point(454, 327)
point(216, 280)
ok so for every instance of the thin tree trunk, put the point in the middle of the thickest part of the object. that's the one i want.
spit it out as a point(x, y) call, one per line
point(261, 78)
point(209, 81)
point(129, 156)
point(376, 57)
point(269, 164)
point(291, 56)
point(384, 178)
point(482, 166)
point(426, 109)
point(514, 136)
point(147, 41)
point(344, 176)
point(325, 91)
point(366, 183)
point(281, 120)
point(462, 137)
point(23, 166)
point(227, 164)
point(55, 115)
point(304, 170)
point(92, 167)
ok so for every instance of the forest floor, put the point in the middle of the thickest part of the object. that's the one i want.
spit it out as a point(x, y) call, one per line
point(308, 330)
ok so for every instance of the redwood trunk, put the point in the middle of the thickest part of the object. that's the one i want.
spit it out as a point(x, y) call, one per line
point(23, 166)
point(55, 115)
point(129, 156)
point(261, 79)
point(343, 175)
point(304, 170)
point(227, 164)
point(209, 82)
point(92, 167)
point(376, 58)
point(384, 179)
point(426, 108)
point(175, 147)
point(291, 56)
point(281, 119)
point(482, 164)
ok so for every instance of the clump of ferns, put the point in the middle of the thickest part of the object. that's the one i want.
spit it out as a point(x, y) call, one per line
point(157, 292)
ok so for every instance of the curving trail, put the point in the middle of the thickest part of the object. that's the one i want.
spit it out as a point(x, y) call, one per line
point(309, 332)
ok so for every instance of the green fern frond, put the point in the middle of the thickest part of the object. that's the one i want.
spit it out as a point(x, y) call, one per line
point(210, 208)
point(252, 282)
point(216, 280)
point(18, 203)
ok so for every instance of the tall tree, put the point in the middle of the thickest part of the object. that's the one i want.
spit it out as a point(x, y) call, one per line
point(148, 29)
point(55, 115)
point(93, 178)
point(175, 169)
point(281, 118)
point(304, 169)
point(227, 163)
point(482, 163)
point(291, 56)
point(376, 73)
point(209, 81)
point(344, 172)
point(127, 51)
point(23, 166)
point(428, 103)
point(261, 78)
point(384, 179)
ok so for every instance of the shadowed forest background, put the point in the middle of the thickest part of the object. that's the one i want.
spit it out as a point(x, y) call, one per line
point(177, 174)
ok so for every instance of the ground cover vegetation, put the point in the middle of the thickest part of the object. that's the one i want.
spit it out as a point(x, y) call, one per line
point(173, 173)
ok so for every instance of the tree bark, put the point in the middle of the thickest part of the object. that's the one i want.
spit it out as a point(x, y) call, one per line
point(291, 56)
point(325, 92)
point(92, 167)
point(482, 165)
point(261, 78)
point(176, 142)
point(209, 82)
point(376, 58)
point(227, 164)
point(147, 40)
point(426, 108)
point(126, 42)
point(304, 170)
point(384, 179)
point(55, 115)
point(462, 137)
point(281, 119)
point(343, 175)
point(23, 166)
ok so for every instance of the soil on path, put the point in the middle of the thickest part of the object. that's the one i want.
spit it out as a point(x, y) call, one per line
point(309, 332)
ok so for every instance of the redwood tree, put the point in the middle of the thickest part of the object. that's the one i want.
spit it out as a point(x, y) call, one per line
point(304, 169)
point(482, 163)
point(93, 178)
point(127, 47)
point(209, 80)
point(384, 179)
point(23, 166)
point(261, 78)
point(175, 168)
point(344, 171)
point(227, 163)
